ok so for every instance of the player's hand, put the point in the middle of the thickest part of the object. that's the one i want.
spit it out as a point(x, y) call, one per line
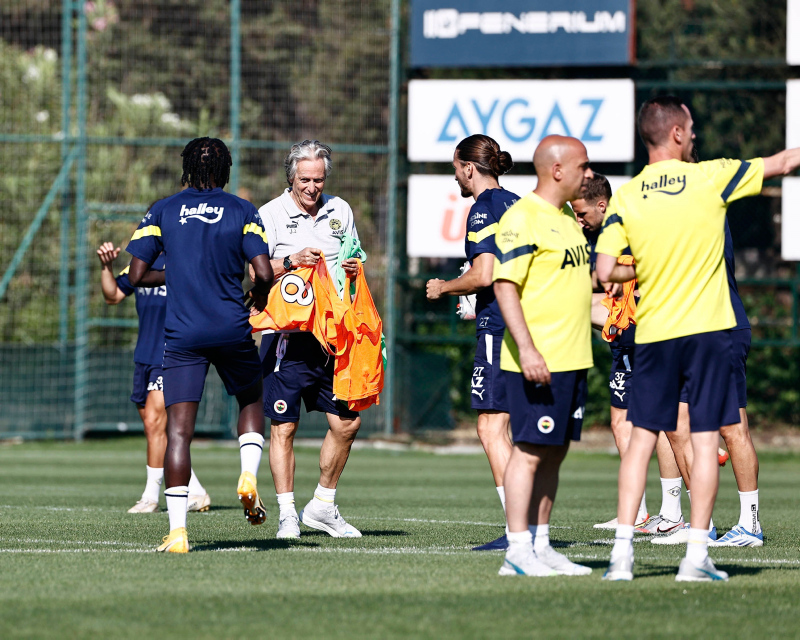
point(613, 289)
point(107, 254)
point(308, 257)
point(533, 366)
point(434, 289)
point(350, 266)
point(255, 301)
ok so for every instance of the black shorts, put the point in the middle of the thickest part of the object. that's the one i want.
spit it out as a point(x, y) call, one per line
point(488, 384)
point(146, 378)
point(185, 370)
point(547, 414)
point(698, 364)
point(740, 341)
point(296, 368)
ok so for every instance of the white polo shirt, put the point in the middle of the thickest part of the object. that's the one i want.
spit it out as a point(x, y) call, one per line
point(290, 229)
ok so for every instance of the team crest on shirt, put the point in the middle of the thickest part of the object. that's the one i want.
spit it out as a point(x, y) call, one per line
point(280, 406)
point(546, 424)
point(335, 223)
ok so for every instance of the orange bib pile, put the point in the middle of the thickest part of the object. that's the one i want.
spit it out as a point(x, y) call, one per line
point(306, 300)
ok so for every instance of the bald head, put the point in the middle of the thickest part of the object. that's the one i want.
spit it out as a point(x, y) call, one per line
point(562, 167)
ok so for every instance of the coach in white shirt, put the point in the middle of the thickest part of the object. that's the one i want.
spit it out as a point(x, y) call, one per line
point(301, 224)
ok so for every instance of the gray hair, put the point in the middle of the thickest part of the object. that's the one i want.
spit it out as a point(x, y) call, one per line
point(307, 150)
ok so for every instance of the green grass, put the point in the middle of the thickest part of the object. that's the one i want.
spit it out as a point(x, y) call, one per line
point(74, 564)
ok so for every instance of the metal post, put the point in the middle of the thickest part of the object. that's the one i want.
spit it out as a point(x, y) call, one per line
point(391, 219)
point(66, 99)
point(81, 238)
point(235, 88)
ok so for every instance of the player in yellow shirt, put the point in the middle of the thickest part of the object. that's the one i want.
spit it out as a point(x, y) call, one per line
point(672, 215)
point(544, 290)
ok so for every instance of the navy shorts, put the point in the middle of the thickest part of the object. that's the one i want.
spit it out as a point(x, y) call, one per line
point(185, 370)
point(296, 368)
point(740, 340)
point(488, 379)
point(146, 378)
point(547, 414)
point(620, 378)
point(700, 364)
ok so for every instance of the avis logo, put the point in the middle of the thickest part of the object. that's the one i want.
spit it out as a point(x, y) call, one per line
point(200, 212)
point(515, 117)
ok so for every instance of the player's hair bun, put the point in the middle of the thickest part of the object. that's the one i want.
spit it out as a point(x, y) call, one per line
point(504, 163)
point(484, 152)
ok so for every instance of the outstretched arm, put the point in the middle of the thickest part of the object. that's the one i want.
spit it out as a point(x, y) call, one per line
point(782, 164)
point(477, 278)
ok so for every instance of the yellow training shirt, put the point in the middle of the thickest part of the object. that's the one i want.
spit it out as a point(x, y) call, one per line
point(672, 215)
point(544, 252)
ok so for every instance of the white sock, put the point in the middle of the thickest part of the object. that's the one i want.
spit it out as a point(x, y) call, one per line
point(286, 503)
point(195, 488)
point(324, 494)
point(748, 513)
point(155, 476)
point(710, 520)
point(541, 536)
point(642, 515)
point(671, 498)
point(501, 491)
point(697, 547)
point(519, 541)
point(623, 542)
point(250, 448)
point(177, 501)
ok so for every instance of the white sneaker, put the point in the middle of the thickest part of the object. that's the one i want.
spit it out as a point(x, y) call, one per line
point(199, 502)
point(611, 525)
point(288, 527)
point(328, 519)
point(681, 536)
point(620, 570)
point(525, 563)
point(144, 506)
point(559, 563)
point(706, 572)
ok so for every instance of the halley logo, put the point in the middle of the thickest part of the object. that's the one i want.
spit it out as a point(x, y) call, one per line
point(450, 23)
point(578, 415)
point(515, 119)
point(674, 492)
point(577, 256)
point(280, 406)
point(666, 185)
point(546, 424)
point(200, 212)
point(335, 223)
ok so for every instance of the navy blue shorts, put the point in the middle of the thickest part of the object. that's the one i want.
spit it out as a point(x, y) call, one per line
point(185, 371)
point(740, 340)
point(547, 414)
point(620, 377)
point(296, 368)
point(146, 378)
point(488, 379)
point(700, 364)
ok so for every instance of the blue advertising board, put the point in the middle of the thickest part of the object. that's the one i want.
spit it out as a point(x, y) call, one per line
point(521, 33)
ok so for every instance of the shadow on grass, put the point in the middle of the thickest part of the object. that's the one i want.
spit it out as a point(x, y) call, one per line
point(364, 532)
point(255, 545)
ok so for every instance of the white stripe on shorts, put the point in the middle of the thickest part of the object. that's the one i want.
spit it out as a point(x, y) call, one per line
point(489, 345)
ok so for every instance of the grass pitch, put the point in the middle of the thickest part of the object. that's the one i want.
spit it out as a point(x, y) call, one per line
point(73, 564)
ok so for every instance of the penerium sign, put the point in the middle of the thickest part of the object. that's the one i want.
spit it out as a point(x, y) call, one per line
point(518, 114)
point(521, 33)
point(437, 214)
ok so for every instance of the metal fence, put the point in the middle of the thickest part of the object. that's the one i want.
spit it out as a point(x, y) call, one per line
point(100, 97)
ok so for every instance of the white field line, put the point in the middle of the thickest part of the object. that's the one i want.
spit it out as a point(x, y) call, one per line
point(480, 524)
point(72, 542)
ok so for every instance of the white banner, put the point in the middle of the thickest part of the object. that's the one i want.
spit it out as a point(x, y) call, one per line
point(437, 214)
point(792, 114)
point(518, 114)
point(790, 219)
point(793, 32)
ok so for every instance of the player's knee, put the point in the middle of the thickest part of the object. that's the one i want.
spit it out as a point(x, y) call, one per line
point(282, 432)
point(735, 436)
point(155, 423)
point(347, 429)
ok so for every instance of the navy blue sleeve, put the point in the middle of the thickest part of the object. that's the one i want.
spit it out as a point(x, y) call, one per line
point(481, 227)
point(146, 242)
point(255, 241)
point(124, 283)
